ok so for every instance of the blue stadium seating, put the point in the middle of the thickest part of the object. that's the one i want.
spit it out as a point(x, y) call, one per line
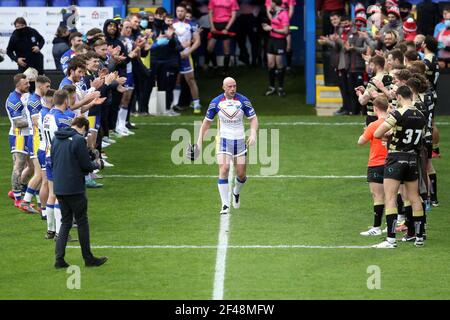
point(113, 3)
point(35, 3)
point(87, 3)
point(61, 3)
point(10, 3)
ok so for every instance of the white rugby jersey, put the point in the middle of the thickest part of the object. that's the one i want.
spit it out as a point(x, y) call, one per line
point(231, 115)
point(184, 31)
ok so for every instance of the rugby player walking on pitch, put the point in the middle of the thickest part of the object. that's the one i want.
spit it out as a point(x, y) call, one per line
point(230, 107)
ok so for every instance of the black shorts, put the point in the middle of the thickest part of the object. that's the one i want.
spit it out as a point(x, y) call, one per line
point(401, 166)
point(219, 27)
point(375, 174)
point(277, 46)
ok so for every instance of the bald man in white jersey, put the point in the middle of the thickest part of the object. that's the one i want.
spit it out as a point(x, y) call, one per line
point(231, 107)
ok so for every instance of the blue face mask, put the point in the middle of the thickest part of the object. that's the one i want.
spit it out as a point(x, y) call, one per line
point(162, 41)
point(144, 24)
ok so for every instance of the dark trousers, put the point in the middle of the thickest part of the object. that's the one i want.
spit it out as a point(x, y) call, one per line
point(114, 109)
point(344, 88)
point(146, 89)
point(73, 206)
point(355, 79)
point(166, 73)
point(248, 27)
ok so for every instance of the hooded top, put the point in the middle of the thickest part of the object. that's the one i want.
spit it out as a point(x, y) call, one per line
point(20, 44)
point(115, 41)
point(71, 162)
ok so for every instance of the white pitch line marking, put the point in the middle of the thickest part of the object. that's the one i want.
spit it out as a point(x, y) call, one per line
point(222, 247)
point(178, 176)
point(280, 246)
point(295, 123)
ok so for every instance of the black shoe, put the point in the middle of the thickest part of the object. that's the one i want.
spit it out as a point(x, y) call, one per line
point(50, 235)
point(96, 262)
point(61, 264)
point(281, 92)
point(341, 112)
point(130, 126)
point(43, 217)
point(179, 108)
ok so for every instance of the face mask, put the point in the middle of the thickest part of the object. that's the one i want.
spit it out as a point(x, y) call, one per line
point(144, 24)
point(404, 14)
point(162, 41)
point(393, 24)
point(447, 23)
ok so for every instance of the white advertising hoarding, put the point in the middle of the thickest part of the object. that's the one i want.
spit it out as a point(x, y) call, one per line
point(46, 20)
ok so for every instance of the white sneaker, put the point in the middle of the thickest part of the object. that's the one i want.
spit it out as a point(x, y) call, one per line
point(128, 131)
point(374, 231)
point(107, 164)
point(171, 113)
point(108, 140)
point(386, 244)
point(105, 145)
point(236, 201)
point(225, 210)
point(121, 133)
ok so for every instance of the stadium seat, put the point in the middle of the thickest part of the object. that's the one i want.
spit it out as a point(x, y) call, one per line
point(61, 3)
point(10, 3)
point(35, 3)
point(113, 3)
point(88, 3)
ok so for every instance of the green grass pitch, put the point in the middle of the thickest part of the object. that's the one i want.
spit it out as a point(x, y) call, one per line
point(161, 209)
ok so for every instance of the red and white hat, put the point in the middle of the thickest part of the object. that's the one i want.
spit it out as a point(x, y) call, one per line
point(410, 25)
point(359, 8)
point(361, 16)
point(391, 3)
point(394, 10)
point(373, 9)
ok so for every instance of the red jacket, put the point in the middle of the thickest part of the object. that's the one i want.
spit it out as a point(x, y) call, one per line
point(330, 5)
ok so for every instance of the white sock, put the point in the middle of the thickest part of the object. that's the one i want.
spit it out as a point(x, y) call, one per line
point(176, 96)
point(57, 217)
point(223, 191)
point(29, 194)
point(50, 212)
point(38, 199)
point(44, 211)
point(196, 103)
point(122, 118)
point(238, 185)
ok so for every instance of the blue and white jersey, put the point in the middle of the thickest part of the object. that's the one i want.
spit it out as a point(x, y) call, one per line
point(16, 109)
point(34, 105)
point(65, 59)
point(65, 82)
point(42, 114)
point(184, 31)
point(54, 120)
point(231, 114)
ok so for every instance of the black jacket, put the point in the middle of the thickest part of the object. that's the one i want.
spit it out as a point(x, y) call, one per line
point(71, 162)
point(20, 44)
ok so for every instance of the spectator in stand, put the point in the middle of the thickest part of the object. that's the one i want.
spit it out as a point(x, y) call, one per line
point(324, 10)
point(355, 46)
point(25, 46)
point(394, 23)
point(442, 25)
point(410, 29)
point(443, 39)
point(60, 45)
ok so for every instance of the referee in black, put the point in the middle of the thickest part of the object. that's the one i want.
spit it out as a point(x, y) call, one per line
point(71, 162)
